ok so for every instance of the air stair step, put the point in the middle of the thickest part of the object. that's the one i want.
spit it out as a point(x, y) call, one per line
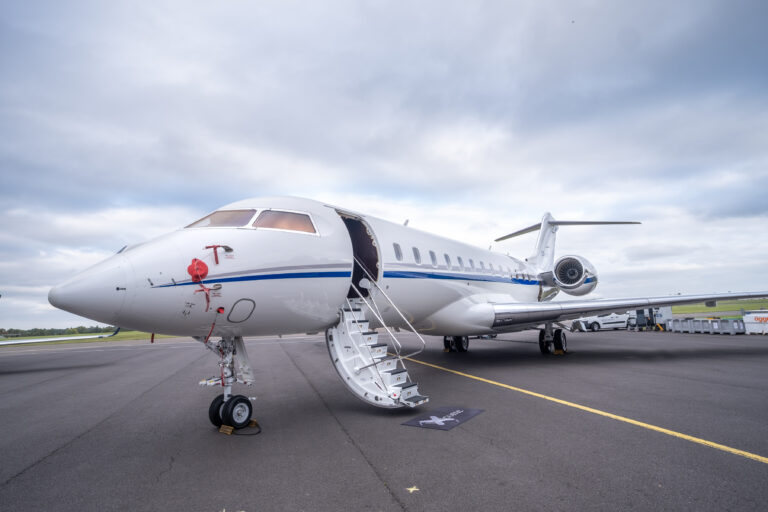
point(387, 364)
point(395, 377)
point(379, 350)
point(357, 325)
point(407, 390)
point(365, 338)
point(415, 400)
point(354, 314)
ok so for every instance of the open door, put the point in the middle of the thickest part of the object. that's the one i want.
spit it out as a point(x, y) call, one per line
point(365, 251)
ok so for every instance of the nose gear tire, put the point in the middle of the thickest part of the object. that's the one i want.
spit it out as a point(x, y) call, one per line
point(237, 412)
point(214, 411)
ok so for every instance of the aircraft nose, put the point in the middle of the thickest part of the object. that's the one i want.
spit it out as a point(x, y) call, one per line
point(97, 293)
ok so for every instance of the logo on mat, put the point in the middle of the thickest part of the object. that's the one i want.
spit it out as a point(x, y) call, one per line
point(444, 418)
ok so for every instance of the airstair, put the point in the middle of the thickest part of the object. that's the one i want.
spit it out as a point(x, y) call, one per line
point(365, 364)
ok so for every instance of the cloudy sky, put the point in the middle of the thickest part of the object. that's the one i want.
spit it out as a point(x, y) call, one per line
point(123, 120)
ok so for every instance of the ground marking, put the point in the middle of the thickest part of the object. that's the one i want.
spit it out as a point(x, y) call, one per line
point(697, 440)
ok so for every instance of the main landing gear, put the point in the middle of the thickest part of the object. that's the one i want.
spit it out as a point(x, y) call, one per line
point(552, 341)
point(227, 409)
point(456, 343)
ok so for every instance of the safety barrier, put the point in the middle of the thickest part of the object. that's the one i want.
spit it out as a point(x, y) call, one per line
point(730, 326)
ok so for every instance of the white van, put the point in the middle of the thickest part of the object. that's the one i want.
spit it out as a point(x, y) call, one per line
point(612, 321)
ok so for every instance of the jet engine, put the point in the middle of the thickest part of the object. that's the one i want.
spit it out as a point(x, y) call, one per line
point(574, 275)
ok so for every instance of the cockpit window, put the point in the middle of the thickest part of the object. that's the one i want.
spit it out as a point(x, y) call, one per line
point(274, 219)
point(225, 219)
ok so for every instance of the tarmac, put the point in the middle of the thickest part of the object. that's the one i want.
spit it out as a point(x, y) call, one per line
point(625, 420)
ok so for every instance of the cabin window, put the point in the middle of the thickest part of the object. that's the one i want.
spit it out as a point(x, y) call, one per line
point(482, 266)
point(433, 257)
point(398, 252)
point(461, 262)
point(490, 266)
point(416, 255)
point(288, 221)
point(225, 219)
point(471, 264)
point(447, 260)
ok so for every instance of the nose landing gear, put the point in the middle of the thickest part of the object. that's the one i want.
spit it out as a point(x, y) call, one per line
point(226, 409)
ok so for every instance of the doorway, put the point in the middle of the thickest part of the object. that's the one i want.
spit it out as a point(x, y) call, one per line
point(364, 249)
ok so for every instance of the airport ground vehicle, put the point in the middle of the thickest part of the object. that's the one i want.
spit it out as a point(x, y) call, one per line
point(611, 321)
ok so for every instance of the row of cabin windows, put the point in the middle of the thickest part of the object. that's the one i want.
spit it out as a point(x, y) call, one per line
point(433, 259)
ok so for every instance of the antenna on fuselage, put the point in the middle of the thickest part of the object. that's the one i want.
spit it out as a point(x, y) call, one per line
point(406, 222)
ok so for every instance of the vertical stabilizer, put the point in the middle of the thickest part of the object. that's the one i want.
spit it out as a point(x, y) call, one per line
point(544, 257)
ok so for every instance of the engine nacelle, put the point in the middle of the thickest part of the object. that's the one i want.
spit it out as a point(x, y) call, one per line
point(574, 275)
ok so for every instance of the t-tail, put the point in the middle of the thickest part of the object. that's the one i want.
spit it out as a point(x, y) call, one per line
point(573, 275)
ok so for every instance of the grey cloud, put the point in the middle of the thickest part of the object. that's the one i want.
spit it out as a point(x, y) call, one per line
point(503, 110)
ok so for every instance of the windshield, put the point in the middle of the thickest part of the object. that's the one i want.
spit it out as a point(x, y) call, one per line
point(290, 221)
point(225, 219)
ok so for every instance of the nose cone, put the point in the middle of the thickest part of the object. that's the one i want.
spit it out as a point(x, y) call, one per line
point(97, 293)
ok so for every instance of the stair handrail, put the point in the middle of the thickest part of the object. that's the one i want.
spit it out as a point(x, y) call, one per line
point(399, 347)
point(360, 330)
point(391, 302)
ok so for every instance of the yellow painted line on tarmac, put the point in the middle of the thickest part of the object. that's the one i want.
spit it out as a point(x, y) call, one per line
point(697, 440)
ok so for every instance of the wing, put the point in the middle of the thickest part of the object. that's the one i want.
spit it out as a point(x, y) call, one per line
point(59, 338)
point(516, 315)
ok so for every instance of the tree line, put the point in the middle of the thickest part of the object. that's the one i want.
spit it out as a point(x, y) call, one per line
point(81, 329)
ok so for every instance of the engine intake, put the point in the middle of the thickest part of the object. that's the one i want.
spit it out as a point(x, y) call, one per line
point(575, 275)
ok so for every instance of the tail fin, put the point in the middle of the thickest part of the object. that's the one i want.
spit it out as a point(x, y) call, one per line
point(544, 257)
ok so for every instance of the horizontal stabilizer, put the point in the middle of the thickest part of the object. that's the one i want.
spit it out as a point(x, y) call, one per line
point(537, 227)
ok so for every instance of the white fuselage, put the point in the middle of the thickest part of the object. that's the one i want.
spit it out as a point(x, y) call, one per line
point(281, 281)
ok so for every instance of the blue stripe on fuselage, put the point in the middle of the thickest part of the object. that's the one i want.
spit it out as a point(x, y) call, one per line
point(405, 274)
point(394, 274)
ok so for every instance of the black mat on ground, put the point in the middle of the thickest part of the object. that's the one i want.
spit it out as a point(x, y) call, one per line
point(443, 418)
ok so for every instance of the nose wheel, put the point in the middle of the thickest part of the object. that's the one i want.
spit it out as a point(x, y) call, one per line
point(214, 411)
point(235, 412)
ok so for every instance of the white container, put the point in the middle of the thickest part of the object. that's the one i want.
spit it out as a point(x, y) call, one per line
point(756, 322)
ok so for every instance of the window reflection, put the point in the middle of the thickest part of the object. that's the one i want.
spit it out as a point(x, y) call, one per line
point(224, 219)
point(274, 219)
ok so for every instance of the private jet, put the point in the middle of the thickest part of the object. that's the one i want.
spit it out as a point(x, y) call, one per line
point(284, 265)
